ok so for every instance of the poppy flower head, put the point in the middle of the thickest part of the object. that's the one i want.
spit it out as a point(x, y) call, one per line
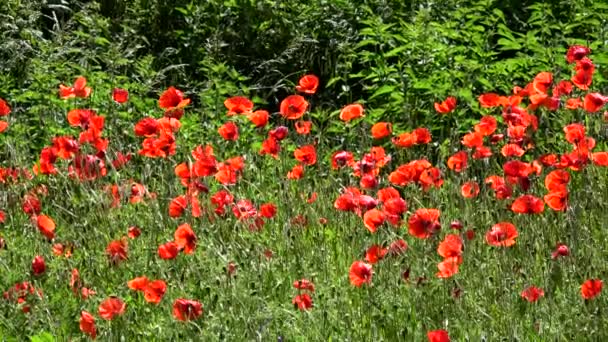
point(302, 301)
point(576, 53)
point(303, 127)
point(502, 234)
point(448, 267)
point(87, 324)
point(304, 284)
point(446, 106)
point(591, 288)
point(351, 112)
point(528, 204)
point(186, 310)
point(259, 118)
point(5, 109)
point(38, 265)
point(424, 223)
point(308, 84)
point(561, 250)
point(138, 284)
point(120, 95)
point(185, 238)
point(532, 294)
point(450, 247)
point(111, 307)
point(373, 218)
point(293, 107)
point(117, 251)
point(594, 102)
point(172, 101)
point(79, 89)
point(46, 226)
point(238, 105)
point(229, 131)
point(306, 154)
point(438, 336)
point(458, 161)
point(360, 273)
point(154, 291)
point(469, 189)
point(382, 130)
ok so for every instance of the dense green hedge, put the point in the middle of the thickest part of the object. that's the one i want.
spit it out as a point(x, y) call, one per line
point(396, 56)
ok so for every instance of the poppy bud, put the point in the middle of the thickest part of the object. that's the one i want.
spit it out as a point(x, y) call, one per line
point(457, 225)
point(38, 265)
point(120, 95)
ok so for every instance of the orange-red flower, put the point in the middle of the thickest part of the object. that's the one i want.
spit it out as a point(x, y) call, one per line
point(352, 111)
point(502, 234)
point(168, 250)
point(303, 127)
point(87, 324)
point(297, 172)
point(486, 126)
point(360, 273)
point(79, 89)
point(446, 106)
point(120, 95)
point(302, 301)
point(111, 308)
point(306, 154)
point(373, 218)
point(424, 223)
point(448, 267)
point(173, 102)
point(528, 204)
point(5, 109)
point(591, 288)
point(38, 265)
point(308, 84)
point(229, 131)
point(438, 336)
point(238, 105)
point(259, 118)
point(293, 107)
point(557, 200)
point(382, 130)
point(46, 226)
point(117, 251)
point(532, 294)
point(138, 284)
point(576, 53)
point(593, 102)
point(185, 309)
point(304, 284)
point(450, 247)
point(600, 158)
point(154, 291)
point(458, 161)
point(557, 180)
point(469, 189)
point(185, 238)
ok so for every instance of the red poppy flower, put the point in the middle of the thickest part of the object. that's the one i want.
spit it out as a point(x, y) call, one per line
point(502, 234)
point(173, 102)
point(229, 131)
point(512, 150)
point(382, 130)
point(516, 168)
point(542, 82)
point(448, 267)
point(120, 95)
point(473, 139)
point(486, 126)
point(117, 251)
point(528, 204)
point(259, 118)
point(352, 111)
point(38, 265)
point(304, 284)
point(557, 200)
point(147, 127)
point(279, 133)
point(591, 288)
point(268, 210)
point(185, 238)
point(79, 89)
point(360, 273)
point(469, 189)
point(557, 180)
point(306, 154)
point(138, 284)
point(405, 140)
point(297, 172)
point(46, 226)
point(302, 301)
point(373, 218)
point(576, 53)
point(561, 250)
point(424, 223)
point(450, 247)
point(111, 308)
point(303, 127)
point(600, 158)
point(490, 100)
point(438, 336)
point(293, 107)
point(87, 324)
point(423, 135)
point(397, 247)
point(3, 126)
point(238, 105)
point(168, 250)
point(5, 109)
point(154, 291)
point(446, 106)
point(532, 294)
point(185, 309)
point(594, 102)
point(308, 84)
point(133, 232)
point(458, 161)
point(375, 253)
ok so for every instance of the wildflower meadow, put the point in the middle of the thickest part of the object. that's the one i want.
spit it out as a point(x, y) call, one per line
point(129, 215)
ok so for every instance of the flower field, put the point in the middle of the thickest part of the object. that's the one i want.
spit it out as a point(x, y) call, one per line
point(139, 220)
